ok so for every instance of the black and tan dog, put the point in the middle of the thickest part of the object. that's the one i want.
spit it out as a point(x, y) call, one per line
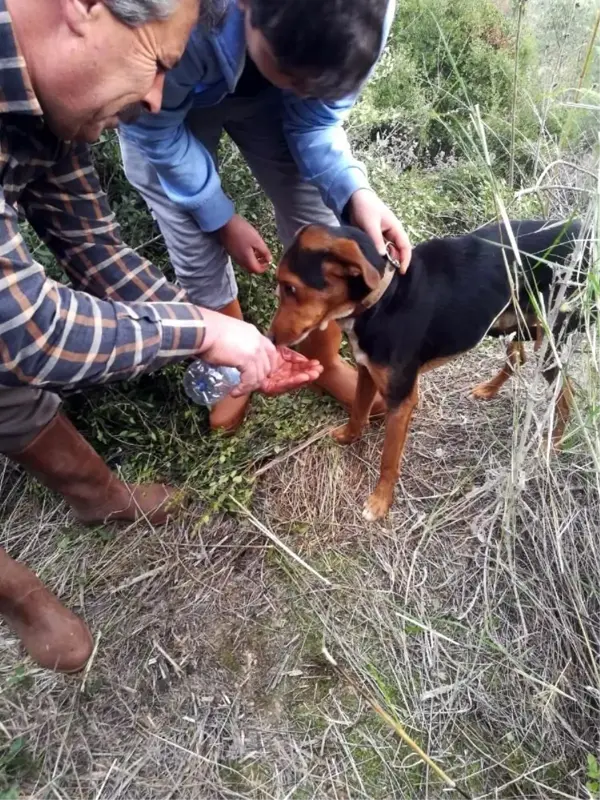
point(456, 291)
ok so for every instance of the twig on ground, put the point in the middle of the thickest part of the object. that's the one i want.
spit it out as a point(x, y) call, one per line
point(295, 450)
point(90, 662)
point(393, 723)
point(276, 541)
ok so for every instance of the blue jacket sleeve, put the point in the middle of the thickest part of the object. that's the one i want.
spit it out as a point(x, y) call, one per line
point(319, 144)
point(320, 147)
point(185, 168)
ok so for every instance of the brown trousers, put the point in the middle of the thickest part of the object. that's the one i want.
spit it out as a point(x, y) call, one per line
point(24, 412)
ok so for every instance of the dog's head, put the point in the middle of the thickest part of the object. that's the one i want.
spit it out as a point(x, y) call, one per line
point(324, 275)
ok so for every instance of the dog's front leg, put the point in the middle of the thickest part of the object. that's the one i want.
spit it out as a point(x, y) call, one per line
point(396, 430)
point(359, 416)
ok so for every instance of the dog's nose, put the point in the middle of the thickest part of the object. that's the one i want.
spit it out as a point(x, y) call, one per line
point(271, 337)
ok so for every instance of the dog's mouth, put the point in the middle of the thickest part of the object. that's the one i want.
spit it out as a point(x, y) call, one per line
point(292, 338)
point(290, 341)
point(303, 336)
point(296, 338)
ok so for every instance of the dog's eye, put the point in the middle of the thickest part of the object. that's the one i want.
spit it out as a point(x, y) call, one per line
point(289, 289)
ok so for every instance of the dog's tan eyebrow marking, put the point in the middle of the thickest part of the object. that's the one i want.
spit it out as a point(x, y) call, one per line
point(285, 275)
point(315, 238)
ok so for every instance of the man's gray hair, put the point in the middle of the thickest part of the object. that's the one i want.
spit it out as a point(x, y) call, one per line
point(139, 12)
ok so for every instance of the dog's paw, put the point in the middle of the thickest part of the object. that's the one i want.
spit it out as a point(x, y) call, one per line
point(377, 506)
point(344, 434)
point(484, 391)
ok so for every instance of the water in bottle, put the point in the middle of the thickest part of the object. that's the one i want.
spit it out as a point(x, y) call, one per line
point(206, 384)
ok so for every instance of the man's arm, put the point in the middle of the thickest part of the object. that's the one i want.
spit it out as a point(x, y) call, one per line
point(70, 213)
point(185, 168)
point(320, 147)
point(53, 336)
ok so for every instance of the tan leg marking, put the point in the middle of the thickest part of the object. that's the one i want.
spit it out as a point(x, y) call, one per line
point(515, 354)
point(359, 416)
point(396, 430)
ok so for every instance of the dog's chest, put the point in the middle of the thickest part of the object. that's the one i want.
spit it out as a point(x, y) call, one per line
point(360, 356)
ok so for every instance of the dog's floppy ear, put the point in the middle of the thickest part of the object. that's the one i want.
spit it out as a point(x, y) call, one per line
point(355, 264)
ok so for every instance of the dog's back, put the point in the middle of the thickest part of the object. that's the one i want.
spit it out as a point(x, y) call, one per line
point(457, 287)
point(545, 250)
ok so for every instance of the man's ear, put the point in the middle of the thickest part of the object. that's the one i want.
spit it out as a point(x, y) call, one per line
point(77, 14)
point(348, 253)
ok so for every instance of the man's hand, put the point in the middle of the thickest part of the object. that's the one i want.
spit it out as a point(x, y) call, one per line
point(231, 342)
point(293, 371)
point(245, 245)
point(372, 215)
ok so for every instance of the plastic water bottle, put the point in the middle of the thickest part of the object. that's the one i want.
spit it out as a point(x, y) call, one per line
point(206, 384)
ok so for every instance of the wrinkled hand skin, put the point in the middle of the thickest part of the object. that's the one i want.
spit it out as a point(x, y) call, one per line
point(293, 372)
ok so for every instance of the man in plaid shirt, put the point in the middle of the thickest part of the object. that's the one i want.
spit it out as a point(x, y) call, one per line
point(67, 70)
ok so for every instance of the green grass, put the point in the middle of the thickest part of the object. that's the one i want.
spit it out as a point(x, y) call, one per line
point(16, 766)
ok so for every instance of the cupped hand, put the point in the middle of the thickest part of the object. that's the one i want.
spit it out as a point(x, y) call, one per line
point(292, 371)
point(233, 343)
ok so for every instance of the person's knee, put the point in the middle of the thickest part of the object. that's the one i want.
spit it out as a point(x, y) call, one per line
point(209, 281)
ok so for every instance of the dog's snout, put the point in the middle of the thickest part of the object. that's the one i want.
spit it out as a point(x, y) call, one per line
point(271, 337)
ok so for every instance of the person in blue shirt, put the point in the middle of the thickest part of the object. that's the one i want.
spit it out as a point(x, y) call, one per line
point(280, 77)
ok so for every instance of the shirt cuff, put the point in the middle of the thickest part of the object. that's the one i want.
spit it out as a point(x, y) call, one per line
point(213, 214)
point(345, 184)
point(179, 329)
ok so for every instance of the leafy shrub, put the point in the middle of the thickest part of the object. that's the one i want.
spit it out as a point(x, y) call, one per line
point(443, 57)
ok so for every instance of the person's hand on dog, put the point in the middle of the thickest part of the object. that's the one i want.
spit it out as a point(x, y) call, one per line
point(372, 215)
point(245, 245)
point(292, 371)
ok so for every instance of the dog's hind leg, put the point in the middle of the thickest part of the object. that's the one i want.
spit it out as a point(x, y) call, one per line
point(562, 407)
point(515, 355)
point(396, 429)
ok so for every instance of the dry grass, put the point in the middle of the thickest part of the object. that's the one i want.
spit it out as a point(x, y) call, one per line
point(472, 613)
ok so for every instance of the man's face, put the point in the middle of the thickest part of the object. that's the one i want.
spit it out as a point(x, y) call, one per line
point(261, 52)
point(111, 67)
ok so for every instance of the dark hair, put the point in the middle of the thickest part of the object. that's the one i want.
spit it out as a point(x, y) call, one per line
point(327, 46)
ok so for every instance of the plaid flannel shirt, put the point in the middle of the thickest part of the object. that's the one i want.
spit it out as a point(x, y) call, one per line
point(121, 317)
